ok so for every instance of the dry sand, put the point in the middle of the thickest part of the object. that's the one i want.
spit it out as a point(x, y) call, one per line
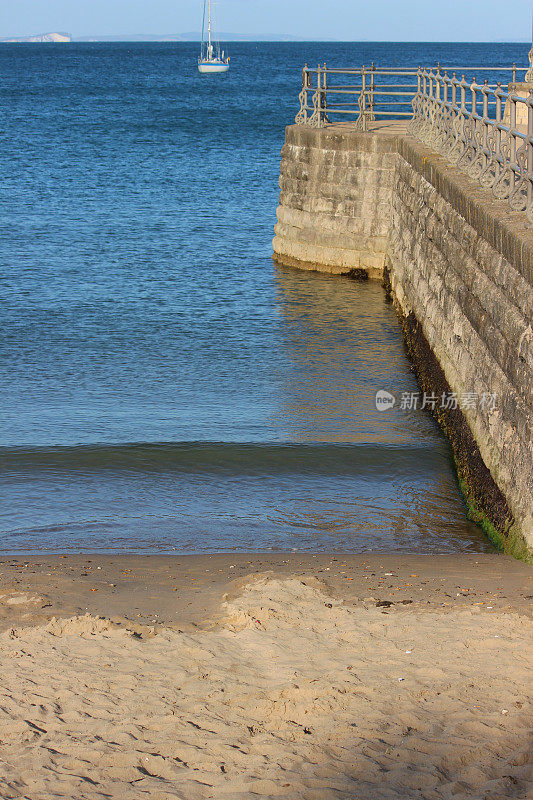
point(300, 684)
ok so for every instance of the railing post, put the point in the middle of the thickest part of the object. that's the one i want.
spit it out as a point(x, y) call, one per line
point(319, 96)
point(485, 91)
point(474, 98)
point(473, 117)
point(485, 122)
point(498, 103)
point(305, 87)
point(417, 101)
point(372, 84)
point(363, 98)
point(529, 203)
point(324, 103)
point(512, 143)
point(454, 90)
point(301, 116)
point(498, 144)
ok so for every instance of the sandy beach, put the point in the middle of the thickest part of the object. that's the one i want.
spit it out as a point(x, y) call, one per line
point(244, 676)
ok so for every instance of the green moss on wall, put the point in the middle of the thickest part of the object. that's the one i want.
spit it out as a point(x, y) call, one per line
point(486, 505)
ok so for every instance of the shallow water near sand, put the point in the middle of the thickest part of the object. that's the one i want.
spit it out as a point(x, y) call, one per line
point(165, 386)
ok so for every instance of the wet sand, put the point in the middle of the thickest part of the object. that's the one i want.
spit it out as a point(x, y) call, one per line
point(263, 676)
point(187, 590)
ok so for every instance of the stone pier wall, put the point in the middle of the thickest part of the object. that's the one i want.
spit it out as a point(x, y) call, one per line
point(336, 192)
point(459, 266)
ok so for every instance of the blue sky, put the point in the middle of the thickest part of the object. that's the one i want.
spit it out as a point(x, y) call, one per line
point(415, 20)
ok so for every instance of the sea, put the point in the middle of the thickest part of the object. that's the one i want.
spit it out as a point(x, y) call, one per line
point(165, 387)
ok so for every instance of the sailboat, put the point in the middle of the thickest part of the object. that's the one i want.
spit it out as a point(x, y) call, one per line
point(211, 59)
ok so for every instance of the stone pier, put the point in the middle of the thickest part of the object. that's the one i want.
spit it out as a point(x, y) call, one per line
point(336, 195)
point(459, 266)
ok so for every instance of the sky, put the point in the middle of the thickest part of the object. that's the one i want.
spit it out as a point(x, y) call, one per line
point(344, 20)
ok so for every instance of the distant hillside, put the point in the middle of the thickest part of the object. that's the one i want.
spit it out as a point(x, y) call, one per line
point(193, 36)
point(40, 37)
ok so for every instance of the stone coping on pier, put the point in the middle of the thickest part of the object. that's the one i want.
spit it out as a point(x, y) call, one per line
point(340, 172)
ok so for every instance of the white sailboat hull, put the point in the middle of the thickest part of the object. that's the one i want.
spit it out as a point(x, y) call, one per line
point(213, 66)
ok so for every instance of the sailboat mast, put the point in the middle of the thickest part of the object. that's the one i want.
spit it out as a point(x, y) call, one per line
point(211, 60)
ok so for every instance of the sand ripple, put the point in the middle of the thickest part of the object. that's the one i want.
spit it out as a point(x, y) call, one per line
point(292, 695)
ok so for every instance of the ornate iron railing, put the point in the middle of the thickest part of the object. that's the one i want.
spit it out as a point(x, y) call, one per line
point(484, 130)
point(481, 128)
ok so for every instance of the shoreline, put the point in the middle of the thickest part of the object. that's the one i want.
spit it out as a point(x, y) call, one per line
point(187, 590)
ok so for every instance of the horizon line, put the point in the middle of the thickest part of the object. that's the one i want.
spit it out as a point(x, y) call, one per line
point(194, 36)
point(154, 39)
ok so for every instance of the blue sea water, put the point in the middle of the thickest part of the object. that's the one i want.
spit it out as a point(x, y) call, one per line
point(165, 387)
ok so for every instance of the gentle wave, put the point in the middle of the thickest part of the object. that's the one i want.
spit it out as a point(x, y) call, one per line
point(223, 457)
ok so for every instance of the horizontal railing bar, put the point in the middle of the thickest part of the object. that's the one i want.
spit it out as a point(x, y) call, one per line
point(390, 72)
point(367, 71)
point(374, 92)
point(370, 113)
point(341, 111)
point(379, 85)
point(382, 113)
point(376, 71)
point(405, 71)
point(485, 69)
point(330, 90)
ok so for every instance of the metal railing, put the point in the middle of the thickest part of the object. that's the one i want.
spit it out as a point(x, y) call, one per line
point(367, 94)
point(331, 95)
point(481, 128)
